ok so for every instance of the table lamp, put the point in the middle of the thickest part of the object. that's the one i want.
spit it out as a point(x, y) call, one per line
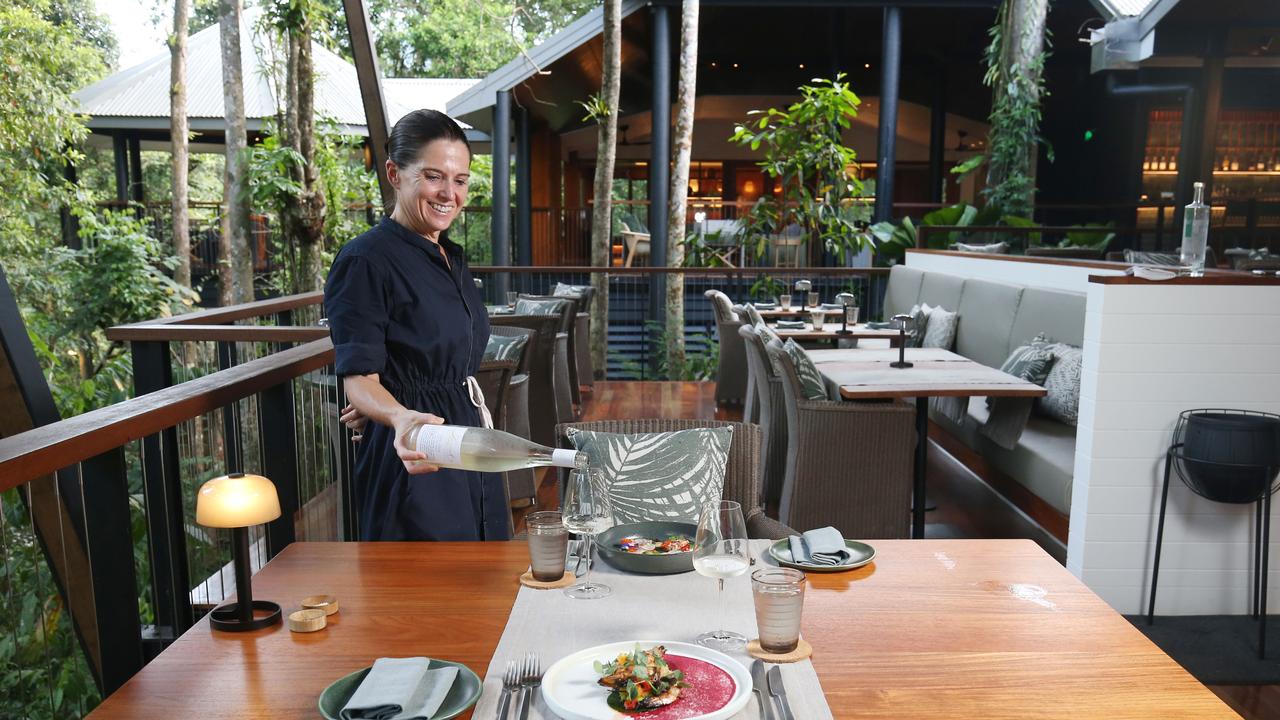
point(902, 321)
point(846, 300)
point(803, 287)
point(238, 501)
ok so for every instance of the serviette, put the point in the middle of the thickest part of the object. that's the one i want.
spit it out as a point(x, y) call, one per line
point(400, 689)
point(823, 546)
point(791, 325)
point(879, 325)
point(765, 305)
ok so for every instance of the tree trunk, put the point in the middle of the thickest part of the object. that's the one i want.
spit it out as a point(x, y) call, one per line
point(682, 145)
point(236, 238)
point(303, 218)
point(1018, 66)
point(606, 149)
point(178, 139)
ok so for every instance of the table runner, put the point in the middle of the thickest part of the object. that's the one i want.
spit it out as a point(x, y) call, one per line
point(642, 607)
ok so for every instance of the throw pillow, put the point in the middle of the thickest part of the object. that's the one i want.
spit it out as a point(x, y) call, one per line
point(811, 383)
point(529, 306)
point(940, 331)
point(753, 315)
point(919, 325)
point(659, 476)
point(505, 347)
point(1030, 362)
point(999, 248)
point(768, 332)
point(1062, 385)
point(572, 291)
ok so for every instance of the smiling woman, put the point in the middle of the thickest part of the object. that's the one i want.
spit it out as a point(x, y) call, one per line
point(409, 329)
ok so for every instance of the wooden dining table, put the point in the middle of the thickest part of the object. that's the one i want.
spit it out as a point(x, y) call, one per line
point(867, 374)
point(831, 332)
point(931, 628)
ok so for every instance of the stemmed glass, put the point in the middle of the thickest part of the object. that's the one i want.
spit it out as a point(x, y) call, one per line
point(587, 511)
point(721, 550)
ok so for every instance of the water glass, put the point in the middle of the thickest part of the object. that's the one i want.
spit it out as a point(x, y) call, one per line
point(511, 298)
point(813, 299)
point(818, 318)
point(548, 542)
point(851, 314)
point(784, 301)
point(779, 600)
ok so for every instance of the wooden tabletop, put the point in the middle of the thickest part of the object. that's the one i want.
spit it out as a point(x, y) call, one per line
point(866, 374)
point(932, 628)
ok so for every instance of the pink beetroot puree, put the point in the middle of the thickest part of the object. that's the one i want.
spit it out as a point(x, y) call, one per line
point(710, 689)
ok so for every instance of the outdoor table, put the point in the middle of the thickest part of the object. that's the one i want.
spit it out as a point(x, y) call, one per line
point(829, 332)
point(866, 375)
point(955, 628)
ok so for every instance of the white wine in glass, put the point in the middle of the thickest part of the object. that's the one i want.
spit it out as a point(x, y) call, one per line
point(721, 550)
point(587, 511)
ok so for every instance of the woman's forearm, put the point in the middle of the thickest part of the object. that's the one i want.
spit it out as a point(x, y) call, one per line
point(368, 396)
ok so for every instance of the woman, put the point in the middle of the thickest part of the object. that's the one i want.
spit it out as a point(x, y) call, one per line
point(409, 328)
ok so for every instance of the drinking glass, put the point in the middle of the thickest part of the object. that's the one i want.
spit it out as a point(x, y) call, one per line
point(511, 298)
point(587, 511)
point(784, 301)
point(813, 299)
point(851, 314)
point(818, 318)
point(779, 600)
point(721, 550)
point(548, 541)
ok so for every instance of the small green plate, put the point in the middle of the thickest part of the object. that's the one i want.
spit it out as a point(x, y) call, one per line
point(862, 554)
point(464, 693)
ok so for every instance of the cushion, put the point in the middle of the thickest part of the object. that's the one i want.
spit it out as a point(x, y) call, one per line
point(572, 291)
point(1058, 314)
point(999, 248)
point(943, 289)
point(505, 347)
point(811, 382)
point(919, 325)
point(753, 315)
point(659, 476)
point(1030, 362)
point(529, 306)
point(940, 331)
point(988, 309)
point(1062, 403)
point(903, 290)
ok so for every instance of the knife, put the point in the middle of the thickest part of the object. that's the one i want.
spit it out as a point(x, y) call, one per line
point(758, 685)
point(779, 691)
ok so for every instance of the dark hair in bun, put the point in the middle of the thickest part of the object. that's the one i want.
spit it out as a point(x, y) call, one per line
point(416, 130)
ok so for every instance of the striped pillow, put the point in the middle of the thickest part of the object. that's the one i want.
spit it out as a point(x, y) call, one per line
point(1030, 362)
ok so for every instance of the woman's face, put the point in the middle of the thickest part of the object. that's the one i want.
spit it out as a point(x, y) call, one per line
point(431, 191)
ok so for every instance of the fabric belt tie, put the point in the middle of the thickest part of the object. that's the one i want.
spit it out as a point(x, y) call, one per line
point(477, 399)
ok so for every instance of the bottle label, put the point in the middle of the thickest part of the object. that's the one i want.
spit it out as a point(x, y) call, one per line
point(442, 444)
point(563, 458)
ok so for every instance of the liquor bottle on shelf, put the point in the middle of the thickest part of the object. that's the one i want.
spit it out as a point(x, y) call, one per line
point(1195, 232)
point(485, 449)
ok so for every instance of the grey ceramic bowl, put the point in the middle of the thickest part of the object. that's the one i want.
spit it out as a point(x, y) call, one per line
point(607, 546)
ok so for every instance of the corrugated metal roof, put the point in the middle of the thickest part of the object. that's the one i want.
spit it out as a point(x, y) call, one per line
point(139, 96)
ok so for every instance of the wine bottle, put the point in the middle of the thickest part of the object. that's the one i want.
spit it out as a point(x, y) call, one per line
point(1195, 232)
point(485, 450)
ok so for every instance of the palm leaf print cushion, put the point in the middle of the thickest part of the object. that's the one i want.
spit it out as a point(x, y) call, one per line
point(659, 476)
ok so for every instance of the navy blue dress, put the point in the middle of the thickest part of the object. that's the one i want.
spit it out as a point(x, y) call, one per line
point(396, 309)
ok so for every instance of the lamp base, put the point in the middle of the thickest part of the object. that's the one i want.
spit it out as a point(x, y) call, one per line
point(901, 364)
point(227, 617)
point(844, 332)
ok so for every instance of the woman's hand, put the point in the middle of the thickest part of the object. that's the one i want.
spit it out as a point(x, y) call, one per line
point(355, 422)
point(415, 463)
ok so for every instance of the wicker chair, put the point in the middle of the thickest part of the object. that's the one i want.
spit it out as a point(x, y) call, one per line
point(582, 339)
point(741, 476)
point(520, 483)
point(541, 354)
point(731, 378)
point(567, 393)
point(848, 463)
point(770, 402)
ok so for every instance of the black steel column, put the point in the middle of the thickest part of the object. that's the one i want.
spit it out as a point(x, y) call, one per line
point(120, 154)
point(938, 136)
point(886, 148)
point(660, 158)
point(500, 218)
point(136, 193)
point(524, 191)
point(70, 223)
point(162, 487)
point(280, 464)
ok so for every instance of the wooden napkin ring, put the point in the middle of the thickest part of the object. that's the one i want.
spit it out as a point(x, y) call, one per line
point(565, 581)
point(327, 603)
point(305, 621)
point(802, 651)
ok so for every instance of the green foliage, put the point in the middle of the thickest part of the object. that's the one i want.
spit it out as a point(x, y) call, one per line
point(896, 237)
point(701, 357)
point(597, 109)
point(805, 152)
point(767, 288)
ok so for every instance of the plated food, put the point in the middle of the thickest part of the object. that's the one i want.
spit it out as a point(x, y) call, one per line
point(640, 545)
point(655, 547)
point(641, 680)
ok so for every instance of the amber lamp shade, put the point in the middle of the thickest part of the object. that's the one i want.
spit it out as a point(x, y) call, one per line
point(237, 502)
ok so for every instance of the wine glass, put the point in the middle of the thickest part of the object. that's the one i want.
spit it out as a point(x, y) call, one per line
point(720, 550)
point(587, 511)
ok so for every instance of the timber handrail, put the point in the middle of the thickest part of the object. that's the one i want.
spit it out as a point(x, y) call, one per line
point(46, 449)
point(243, 311)
point(681, 270)
point(162, 332)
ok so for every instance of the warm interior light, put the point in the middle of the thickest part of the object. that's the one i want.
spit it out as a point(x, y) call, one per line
point(801, 66)
point(749, 187)
point(693, 185)
point(866, 66)
point(735, 66)
point(236, 501)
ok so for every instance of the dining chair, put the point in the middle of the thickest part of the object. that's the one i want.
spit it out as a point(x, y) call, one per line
point(543, 410)
point(742, 472)
point(731, 375)
point(848, 463)
point(568, 394)
point(521, 484)
point(769, 407)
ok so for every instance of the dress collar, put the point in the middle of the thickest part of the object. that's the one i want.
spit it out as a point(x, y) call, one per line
point(445, 244)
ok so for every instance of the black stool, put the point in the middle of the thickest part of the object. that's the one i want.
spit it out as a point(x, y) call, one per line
point(1227, 456)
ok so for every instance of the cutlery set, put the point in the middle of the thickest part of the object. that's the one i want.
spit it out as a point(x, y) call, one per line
point(770, 682)
point(521, 680)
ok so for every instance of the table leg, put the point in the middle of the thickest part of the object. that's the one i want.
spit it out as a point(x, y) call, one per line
point(922, 459)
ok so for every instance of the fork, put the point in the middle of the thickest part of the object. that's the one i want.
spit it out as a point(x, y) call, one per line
point(530, 683)
point(510, 683)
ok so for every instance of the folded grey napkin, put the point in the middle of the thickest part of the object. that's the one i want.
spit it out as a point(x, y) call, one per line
point(791, 324)
point(765, 305)
point(824, 546)
point(879, 325)
point(832, 306)
point(400, 689)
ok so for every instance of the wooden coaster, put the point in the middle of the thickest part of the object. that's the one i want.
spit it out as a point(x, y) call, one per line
point(565, 581)
point(305, 621)
point(327, 603)
point(802, 651)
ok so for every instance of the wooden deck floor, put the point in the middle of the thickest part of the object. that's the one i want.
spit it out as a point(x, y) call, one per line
point(966, 506)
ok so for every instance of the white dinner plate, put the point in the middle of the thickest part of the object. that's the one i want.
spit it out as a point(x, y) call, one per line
point(570, 689)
